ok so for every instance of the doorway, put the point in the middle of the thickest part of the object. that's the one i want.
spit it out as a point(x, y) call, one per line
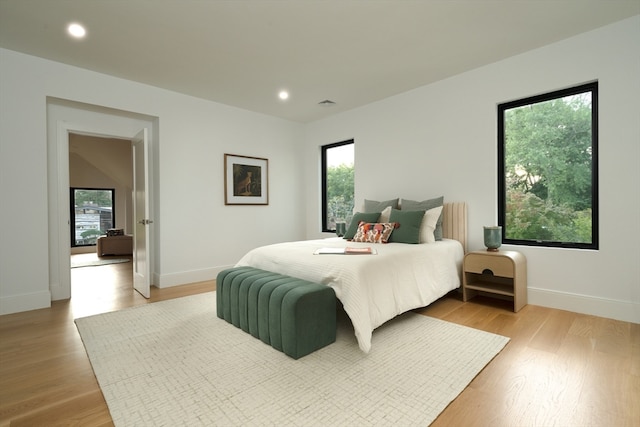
point(64, 119)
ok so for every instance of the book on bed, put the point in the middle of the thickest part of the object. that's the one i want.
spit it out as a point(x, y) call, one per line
point(346, 251)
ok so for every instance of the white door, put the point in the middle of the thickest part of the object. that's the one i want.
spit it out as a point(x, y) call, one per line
point(141, 265)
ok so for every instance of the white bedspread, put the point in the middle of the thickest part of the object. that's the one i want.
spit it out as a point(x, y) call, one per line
point(372, 288)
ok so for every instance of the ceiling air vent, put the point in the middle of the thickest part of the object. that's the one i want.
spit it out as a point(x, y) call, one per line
point(326, 103)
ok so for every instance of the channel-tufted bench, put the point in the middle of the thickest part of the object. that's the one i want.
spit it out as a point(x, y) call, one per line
point(294, 316)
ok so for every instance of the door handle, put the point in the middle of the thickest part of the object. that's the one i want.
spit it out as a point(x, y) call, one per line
point(145, 221)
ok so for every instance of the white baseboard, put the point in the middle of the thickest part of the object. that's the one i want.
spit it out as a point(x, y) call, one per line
point(182, 278)
point(25, 302)
point(585, 304)
point(59, 293)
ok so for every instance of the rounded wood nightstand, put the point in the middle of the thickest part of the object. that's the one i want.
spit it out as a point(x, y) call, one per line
point(498, 273)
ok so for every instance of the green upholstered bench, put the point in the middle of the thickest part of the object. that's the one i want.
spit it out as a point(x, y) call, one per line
point(294, 316)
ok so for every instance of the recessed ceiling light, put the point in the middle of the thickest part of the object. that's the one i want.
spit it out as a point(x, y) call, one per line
point(283, 95)
point(76, 30)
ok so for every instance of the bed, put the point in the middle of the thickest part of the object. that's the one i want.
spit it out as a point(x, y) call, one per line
point(374, 289)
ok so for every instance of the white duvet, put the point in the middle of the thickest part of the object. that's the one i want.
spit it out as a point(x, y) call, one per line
point(372, 288)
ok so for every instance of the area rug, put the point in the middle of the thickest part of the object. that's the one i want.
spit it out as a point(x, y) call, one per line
point(176, 363)
point(96, 262)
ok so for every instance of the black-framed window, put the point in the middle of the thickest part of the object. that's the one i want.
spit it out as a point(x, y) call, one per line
point(338, 167)
point(92, 214)
point(548, 169)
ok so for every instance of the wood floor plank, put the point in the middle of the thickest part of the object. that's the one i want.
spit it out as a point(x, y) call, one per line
point(552, 372)
point(84, 410)
point(552, 332)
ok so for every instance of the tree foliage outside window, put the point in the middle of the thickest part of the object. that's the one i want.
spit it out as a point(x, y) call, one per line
point(548, 169)
point(337, 184)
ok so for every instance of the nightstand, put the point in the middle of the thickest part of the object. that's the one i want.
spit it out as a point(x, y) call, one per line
point(498, 273)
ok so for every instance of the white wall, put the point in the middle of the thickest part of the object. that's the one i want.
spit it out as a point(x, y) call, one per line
point(437, 139)
point(195, 233)
point(441, 139)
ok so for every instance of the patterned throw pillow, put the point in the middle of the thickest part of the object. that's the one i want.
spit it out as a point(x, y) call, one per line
point(370, 232)
point(359, 217)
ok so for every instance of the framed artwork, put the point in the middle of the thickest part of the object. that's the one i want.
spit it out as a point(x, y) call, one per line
point(246, 180)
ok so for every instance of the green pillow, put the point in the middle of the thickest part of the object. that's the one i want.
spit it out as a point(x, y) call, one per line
point(408, 230)
point(357, 217)
point(425, 205)
point(374, 206)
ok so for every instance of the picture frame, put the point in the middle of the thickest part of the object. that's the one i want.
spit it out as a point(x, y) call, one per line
point(246, 180)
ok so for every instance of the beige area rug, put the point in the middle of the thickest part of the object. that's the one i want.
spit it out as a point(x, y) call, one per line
point(176, 363)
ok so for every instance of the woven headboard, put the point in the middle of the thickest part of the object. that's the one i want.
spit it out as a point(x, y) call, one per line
point(454, 222)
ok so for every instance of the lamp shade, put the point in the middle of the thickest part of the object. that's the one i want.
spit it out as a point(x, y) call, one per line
point(493, 237)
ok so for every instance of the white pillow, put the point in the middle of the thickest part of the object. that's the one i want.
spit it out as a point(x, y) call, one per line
point(428, 225)
point(385, 214)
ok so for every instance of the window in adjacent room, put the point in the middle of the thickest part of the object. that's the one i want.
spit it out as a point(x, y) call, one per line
point(337, 184)
point(548, 169)
point(92, 214)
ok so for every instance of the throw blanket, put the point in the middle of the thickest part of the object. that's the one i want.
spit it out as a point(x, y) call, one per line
point(372, 288)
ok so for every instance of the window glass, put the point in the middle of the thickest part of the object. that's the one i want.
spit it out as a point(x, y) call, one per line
point(337, 184)
point(92, 214)
point(548, 177)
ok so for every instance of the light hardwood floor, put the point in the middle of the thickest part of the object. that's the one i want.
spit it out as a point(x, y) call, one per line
point(560, 368)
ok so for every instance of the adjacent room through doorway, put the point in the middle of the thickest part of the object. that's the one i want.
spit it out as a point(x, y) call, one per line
point(101, 182)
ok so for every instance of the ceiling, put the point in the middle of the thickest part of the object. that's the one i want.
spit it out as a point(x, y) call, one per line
point(243, 52)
